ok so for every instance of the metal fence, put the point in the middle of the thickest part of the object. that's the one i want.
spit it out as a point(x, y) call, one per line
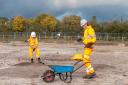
point(21, 36)
point(112, 36)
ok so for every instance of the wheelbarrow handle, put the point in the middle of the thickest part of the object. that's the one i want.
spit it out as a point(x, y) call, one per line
point(77, 63)
point(79, 66)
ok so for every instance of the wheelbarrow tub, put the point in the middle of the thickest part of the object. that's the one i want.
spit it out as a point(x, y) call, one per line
point(61, 69)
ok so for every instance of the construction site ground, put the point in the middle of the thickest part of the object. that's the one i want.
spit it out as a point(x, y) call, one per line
point(109, 61)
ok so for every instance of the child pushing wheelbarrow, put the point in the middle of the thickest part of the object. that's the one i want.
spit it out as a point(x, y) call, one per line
point(88, 39)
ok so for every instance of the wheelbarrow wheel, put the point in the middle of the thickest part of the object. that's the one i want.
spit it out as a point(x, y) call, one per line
point(48, 76)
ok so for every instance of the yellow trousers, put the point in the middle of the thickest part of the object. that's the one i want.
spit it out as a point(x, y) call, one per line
point(31, 51)
point(86, 60)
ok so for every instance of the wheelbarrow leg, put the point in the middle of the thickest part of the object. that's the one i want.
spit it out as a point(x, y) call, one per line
point(66, 78)
point(63, 77)
point(70, 78)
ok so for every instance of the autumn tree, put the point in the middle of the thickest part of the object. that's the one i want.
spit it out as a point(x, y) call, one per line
point(29, 24)
point(46, 22)
point(4, 24)
point(71, 23)
point(18, 23)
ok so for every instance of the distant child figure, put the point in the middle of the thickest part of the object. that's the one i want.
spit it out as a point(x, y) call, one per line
point(33, 47)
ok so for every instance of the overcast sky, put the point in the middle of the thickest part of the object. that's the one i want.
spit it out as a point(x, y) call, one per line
point(103, 9)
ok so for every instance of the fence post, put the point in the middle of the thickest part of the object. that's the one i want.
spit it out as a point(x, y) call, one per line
point(27, 35)
point(51, 35)
point(122, 37)
point(14, 36)
point(45, 35)
point(39, 36)
point(3, 36)
point(107, 36)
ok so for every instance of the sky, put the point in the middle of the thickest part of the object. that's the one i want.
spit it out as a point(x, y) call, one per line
point(102, 9)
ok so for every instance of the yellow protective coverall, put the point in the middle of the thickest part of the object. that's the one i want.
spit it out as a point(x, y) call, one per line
point(33, 47)
point(89, 40)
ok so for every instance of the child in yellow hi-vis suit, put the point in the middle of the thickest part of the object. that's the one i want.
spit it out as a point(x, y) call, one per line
point(89, 39)
point(33, 47)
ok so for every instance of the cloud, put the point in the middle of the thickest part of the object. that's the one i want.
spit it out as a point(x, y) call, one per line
point(68, 14)
point(103, 9)
point(84, 3)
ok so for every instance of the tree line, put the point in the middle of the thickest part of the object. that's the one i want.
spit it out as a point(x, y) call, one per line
point(48, 23)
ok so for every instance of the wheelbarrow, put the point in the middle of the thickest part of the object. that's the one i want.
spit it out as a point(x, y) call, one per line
point(64, 72)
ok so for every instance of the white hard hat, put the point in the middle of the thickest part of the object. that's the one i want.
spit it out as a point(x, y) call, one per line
point(33, 34)
point(83, 22)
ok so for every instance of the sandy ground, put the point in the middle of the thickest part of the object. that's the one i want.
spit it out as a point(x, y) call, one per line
point(109, 61)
